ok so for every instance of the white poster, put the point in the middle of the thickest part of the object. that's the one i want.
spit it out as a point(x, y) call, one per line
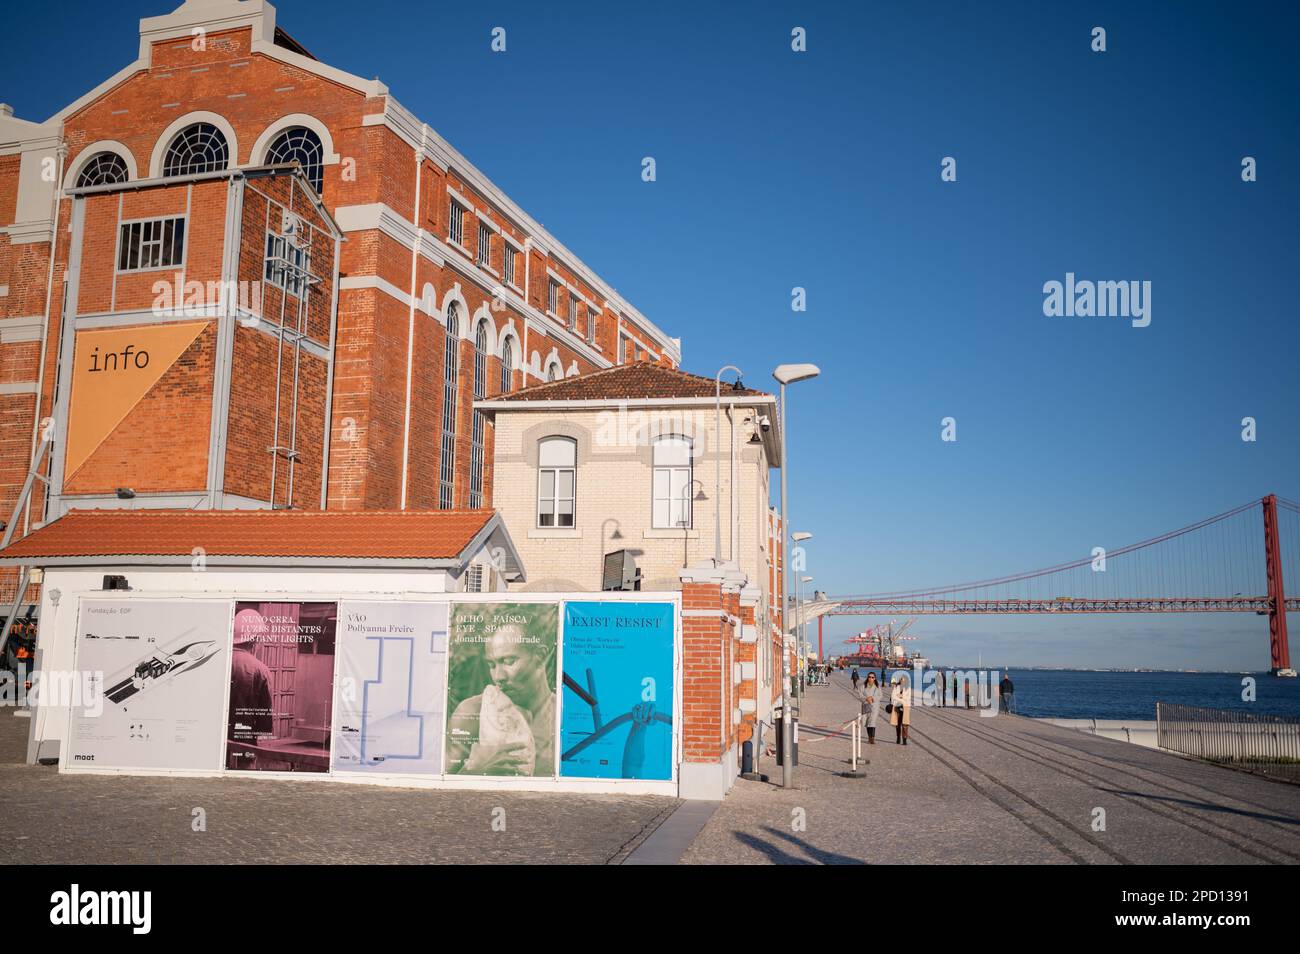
point(159, 671)
point(392, 665)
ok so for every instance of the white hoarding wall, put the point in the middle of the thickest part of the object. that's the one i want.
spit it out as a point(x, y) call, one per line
point(160, 671)
point(453, 691)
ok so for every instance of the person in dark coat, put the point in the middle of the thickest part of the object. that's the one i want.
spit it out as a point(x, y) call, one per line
point(1006, 690)
point(943, 688)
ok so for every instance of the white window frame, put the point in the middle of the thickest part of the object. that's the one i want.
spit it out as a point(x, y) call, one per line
point(554, 498)
point(162, 221)
point(673, 473)
point(279, 247)
point(456, 222)
point(483, 253)
point(552, 297)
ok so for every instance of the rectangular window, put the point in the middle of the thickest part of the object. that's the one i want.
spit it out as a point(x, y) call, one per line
point(157, 243)
point(573, 312)
point(672, 484)
point(556, 482)
point(672, 498)
point(456, 223)
point(287, 265)
point(591, 325)
point(507, 263)
point(484, 245)
point(553, 297)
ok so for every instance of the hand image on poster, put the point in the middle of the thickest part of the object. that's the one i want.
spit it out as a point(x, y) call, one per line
point(392, 663)
point(617, 710)
point(161, 668)
point(281, 681)
point(501, 689)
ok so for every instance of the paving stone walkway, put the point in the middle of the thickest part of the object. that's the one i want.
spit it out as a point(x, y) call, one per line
point(48, 818)
point(972, 790)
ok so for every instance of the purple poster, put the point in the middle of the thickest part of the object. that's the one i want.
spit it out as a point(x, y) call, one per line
point(281, 687)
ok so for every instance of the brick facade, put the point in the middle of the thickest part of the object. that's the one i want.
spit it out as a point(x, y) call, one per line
point(388, 183)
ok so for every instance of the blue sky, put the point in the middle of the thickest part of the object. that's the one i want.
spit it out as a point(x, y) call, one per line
point(821, 169)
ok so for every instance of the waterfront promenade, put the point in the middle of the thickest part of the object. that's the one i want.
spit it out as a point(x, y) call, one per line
point(967, 790)
point(1004, 790)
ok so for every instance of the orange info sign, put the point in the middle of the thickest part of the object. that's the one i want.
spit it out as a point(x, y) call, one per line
point(113, 369)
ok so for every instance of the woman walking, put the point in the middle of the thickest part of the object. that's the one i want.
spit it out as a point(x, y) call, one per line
point(870, 706)
point(900, 715)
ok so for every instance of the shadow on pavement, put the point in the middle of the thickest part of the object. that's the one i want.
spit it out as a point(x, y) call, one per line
point(815, 855)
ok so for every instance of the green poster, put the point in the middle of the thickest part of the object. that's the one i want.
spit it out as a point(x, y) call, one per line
point(501, 688)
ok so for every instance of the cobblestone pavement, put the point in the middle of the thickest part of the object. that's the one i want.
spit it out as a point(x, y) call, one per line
point(971, 790)
point(95, 819)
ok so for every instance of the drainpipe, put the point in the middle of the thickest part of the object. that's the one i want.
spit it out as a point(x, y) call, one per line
point(410, 332)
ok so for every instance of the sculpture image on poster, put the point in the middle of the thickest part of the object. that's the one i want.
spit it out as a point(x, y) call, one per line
point(392, 667)
point(501, 688)
point(617, 709)
point(281, 687)
point(158, 670)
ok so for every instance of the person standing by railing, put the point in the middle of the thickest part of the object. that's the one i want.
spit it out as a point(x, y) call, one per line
point(1006, 689)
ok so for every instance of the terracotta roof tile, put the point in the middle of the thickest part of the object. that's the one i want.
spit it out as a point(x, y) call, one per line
point(641, 380)
point(308, 534)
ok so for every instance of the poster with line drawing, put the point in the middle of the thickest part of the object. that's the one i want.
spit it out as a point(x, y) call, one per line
point(392, 665)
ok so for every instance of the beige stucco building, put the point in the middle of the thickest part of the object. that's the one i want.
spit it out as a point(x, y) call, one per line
point(638, 458)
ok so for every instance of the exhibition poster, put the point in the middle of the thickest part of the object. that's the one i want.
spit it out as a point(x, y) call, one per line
point(281, 687)
point(158, 669)
point(392, 669)
point(617, 708)
point(501, 689)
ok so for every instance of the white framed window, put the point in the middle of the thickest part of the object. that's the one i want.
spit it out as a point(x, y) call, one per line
point(671, 505)
point(151, 243)
point(508, 263)
point(484, 245)
point(553, 297)
point(456, 223)
point(287, 265)
point(556, 481)
point(591, 325)
point(573, 312)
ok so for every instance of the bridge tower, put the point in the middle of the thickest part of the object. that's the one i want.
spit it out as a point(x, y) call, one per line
point(1280, 652)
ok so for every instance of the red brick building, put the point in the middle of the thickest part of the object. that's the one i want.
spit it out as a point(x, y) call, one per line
point(187, 320)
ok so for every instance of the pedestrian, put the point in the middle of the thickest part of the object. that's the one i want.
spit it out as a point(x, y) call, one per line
point(943, 688)
point(1006, 690)
point(855, 678)
point(966, 691)
point(900, 715)
point(954, 689)
point(870, 706)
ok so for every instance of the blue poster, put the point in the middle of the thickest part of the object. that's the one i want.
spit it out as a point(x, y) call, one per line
point(616, 717)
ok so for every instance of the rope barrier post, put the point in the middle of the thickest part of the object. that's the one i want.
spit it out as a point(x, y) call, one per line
point(855, 747)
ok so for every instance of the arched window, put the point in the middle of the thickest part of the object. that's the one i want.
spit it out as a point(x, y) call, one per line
point(476, 435)
point(507, 364)
point(198, 148)
point(553, 372)
point(103, 168)
point(301, 145)
point(672, 482)
point(450, 376)
point(556, 481)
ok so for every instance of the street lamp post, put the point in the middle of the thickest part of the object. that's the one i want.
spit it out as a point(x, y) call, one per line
point(717, 439)
point(787, 374)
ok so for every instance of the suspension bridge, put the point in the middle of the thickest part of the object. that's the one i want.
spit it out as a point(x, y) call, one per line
point(1211, 566)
